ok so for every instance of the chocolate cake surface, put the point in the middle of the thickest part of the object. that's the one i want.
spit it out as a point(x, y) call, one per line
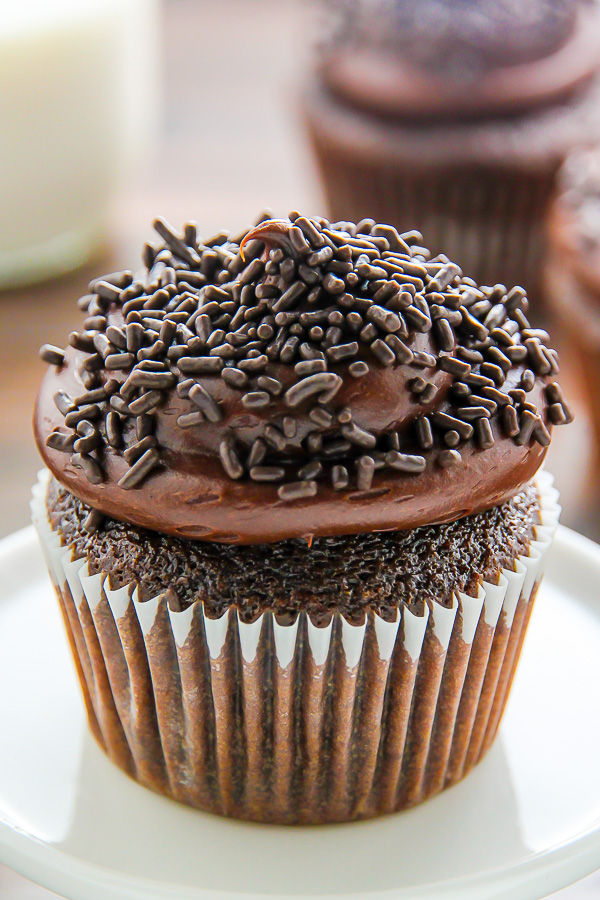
point(348, 574)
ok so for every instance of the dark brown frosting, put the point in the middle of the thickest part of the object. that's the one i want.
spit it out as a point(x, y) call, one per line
point(427, 68)
point(188, 492)
point(192, 497)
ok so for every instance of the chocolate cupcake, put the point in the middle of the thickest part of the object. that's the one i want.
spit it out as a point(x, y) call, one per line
point(294, 516)
point(454, 118)
point(572, 270)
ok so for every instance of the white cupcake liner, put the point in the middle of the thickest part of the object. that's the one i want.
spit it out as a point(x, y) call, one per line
point(295, 723)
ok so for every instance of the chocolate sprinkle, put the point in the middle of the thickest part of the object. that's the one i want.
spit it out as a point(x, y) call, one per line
point(297, 490)
point(286, 315)
point(139, 470)
point(54, 356)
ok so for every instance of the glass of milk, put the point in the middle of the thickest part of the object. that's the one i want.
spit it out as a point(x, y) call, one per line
point(78, 99)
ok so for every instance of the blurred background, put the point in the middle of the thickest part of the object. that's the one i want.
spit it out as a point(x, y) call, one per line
point(213, 90)
point(115, 111)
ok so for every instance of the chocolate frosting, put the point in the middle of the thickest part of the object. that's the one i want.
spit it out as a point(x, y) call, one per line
point(201, 482)
point(446, 60)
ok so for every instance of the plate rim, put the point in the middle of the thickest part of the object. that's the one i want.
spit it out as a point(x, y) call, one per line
point(57, 870)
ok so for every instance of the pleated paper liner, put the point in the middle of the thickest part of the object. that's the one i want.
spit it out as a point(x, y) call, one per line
point(295, 723)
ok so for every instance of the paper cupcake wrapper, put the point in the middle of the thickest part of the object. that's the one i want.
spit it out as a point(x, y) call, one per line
point(488, 219)
point(295, 723)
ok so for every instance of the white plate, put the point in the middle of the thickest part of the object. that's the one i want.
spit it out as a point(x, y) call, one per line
point(525, 823)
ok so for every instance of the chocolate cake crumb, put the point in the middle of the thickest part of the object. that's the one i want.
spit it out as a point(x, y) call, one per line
point(349, 574)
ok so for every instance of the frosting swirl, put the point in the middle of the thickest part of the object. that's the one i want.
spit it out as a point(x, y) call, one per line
point(306, 378)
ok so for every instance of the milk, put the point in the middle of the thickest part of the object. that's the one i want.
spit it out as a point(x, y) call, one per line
point(78, 95)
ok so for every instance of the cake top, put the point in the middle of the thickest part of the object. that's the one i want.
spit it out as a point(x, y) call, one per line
point(303, 378)
point(465, 58)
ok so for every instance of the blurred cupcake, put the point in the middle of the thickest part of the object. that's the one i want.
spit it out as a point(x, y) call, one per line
point(572, 270)
point(454, 118)
point(294, 516)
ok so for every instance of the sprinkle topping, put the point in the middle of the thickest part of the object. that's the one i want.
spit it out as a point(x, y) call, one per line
point(284, 316)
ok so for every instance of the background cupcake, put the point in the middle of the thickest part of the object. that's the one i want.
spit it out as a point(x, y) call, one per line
point(572, 270)
point(454, 118)
point(256, 448)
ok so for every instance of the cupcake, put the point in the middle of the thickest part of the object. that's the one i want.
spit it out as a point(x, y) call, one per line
point(572, 269)
point(454, 118)
point(294, 516)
